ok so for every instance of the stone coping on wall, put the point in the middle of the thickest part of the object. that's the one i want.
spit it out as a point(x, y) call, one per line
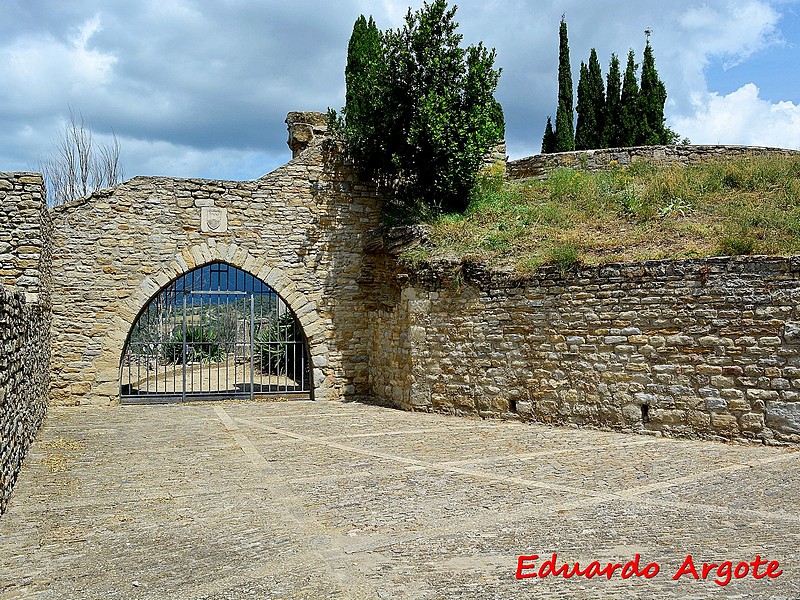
point(539, 166)
point(438, 272)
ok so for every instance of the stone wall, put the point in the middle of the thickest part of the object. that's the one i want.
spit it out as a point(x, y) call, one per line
point(24, 320)
point(688, 348)
point(539, 165)
point(300, 229)
point(24, 234)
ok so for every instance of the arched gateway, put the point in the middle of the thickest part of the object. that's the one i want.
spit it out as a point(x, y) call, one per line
point(214, 332)
point(166, 288)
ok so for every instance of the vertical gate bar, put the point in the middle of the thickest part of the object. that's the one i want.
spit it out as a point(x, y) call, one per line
point(204, 337)
point(168, 338)
point(129, 376)
point(252, 345)
point(197, 343)
point(184, 352)
point(147, 358)
point(271, 336)
point(285, 353)
point(227, 340)
point(261, 334)
point(193, 345)
point(221, 342)
point(191, 372)
point(282, 346)
point(236, 349)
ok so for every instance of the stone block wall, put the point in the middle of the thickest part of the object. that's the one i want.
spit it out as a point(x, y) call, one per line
point(539, 165)
point(688, 348)
point(25, 230)
point(301, 229)
point(24, 320)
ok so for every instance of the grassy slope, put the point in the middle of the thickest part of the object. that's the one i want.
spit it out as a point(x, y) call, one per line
point(631, 213)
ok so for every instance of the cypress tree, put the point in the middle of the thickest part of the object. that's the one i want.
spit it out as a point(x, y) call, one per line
point(629, 105)
point(652, 97)
point(549, 138)
point(364, 75)
point(612, 127)
point(597, 99)
point(565, 132)
point(587, 124)
point(591, 105)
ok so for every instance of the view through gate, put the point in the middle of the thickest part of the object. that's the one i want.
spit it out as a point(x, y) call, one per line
point(215, 332)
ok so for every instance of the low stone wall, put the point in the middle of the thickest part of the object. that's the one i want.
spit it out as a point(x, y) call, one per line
point(705, 348)
point(25, 258)
point(24, 380)
point(539, 165)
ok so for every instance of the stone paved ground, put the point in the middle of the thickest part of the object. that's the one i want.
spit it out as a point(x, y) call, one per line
point(329, 500)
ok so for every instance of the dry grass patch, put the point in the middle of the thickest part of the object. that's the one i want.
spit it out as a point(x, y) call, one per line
point(631, 213)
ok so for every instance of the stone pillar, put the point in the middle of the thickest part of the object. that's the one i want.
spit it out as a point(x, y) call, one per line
point(304, 128)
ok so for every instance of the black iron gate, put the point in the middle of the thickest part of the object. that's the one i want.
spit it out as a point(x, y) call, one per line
point(216, 332)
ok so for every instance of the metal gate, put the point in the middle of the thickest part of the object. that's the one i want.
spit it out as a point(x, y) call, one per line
point(216, 332)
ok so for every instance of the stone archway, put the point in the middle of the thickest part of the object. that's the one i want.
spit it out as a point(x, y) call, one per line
point(214, 333)
point(301, 229)
point(113, 342)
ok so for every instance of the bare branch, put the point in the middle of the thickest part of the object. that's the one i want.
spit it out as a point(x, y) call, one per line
point(77, 167)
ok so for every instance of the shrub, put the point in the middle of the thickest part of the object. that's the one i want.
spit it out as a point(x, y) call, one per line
point(201, 341)
point(276, 346)
point(564, 257)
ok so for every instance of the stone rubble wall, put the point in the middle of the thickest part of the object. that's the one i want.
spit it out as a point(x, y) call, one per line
point(688, 348)
point(300, 229)
point(24, 320)
point(24, 234)
point(539, 166)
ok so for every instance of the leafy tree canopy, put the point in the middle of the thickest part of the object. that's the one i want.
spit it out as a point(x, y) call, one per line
point(420, 111)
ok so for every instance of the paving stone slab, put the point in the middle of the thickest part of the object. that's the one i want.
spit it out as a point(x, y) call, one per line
point(303, 500)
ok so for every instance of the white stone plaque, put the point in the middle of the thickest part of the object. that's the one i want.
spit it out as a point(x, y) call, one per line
point(213, 219)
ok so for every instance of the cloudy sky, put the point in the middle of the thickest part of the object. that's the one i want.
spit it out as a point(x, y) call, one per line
point(200, 88)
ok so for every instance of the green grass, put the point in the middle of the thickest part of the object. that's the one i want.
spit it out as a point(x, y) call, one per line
point(632, 213)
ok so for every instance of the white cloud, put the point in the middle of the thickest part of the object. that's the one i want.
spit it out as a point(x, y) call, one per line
point(180, 160)
point(741, 117)
point(42, 67)
point(732, 31)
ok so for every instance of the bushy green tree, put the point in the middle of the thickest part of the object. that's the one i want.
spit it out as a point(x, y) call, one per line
point(630, 114)
point(549, 138)
point(435, 114)
point(612, 127)
point(565, 131)
point(652, 96)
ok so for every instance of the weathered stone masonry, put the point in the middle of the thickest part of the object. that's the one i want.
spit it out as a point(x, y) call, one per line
point(693, 347)
point(300, 229)
point(24, 320)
